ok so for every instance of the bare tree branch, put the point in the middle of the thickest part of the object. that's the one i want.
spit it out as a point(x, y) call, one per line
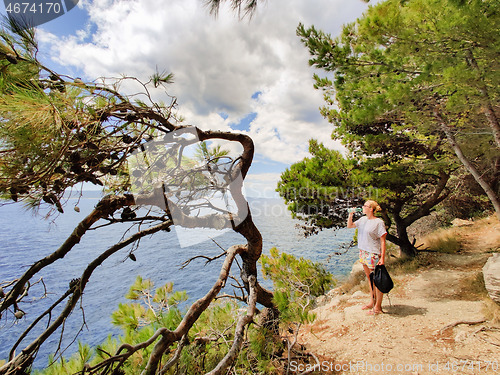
point(24, 360)
point(107, 205)
point(193, 313)
point(245, 320)
point(175, 359)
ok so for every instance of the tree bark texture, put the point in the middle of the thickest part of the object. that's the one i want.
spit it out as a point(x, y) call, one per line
point(488, 107)
point(493, 197)
point(164, 338)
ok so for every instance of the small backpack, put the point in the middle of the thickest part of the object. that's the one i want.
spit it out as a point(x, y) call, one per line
point(382, 279)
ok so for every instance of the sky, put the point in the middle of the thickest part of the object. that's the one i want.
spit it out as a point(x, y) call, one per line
point(246, 75)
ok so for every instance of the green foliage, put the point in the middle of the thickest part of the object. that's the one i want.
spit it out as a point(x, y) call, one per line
point(72, 366)
point(56, 132)
point(263, 350)
point(154, 308)
point(386, 76)
point(159, 78)
point(296, 282)
point(395, 66)
point(210, 338)
point(139, 320)
point(209, 155)
point(321, 188)
point(213, 337)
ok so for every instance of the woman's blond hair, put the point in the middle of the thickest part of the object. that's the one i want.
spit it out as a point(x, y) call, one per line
point(374, 205)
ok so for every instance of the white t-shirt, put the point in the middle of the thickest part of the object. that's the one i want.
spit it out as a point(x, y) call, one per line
point(369, 233)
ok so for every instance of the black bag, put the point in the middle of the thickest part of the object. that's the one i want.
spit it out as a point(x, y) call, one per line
point(382, 280)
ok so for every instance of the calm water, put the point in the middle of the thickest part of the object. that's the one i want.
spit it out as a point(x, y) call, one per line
point(25, 238)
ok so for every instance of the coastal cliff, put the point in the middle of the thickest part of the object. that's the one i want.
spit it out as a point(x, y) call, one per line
point(438, 318)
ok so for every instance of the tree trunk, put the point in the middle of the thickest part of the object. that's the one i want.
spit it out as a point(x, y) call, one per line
point(407, 248)
point(488, 107)
point(496, 175)
point(468, 165)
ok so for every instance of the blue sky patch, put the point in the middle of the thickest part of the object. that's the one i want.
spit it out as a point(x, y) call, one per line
point(67, 25)
point(261, 164)
point(244, 124)
point(256, 95)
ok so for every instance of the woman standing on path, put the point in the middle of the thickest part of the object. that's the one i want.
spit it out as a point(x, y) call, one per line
point(371, 244)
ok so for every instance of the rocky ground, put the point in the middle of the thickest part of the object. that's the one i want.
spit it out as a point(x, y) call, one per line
point(437, 320)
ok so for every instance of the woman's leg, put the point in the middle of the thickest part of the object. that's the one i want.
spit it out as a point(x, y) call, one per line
point(377, 309)
point(370, 305)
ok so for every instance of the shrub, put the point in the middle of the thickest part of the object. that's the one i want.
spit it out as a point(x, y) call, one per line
point(296, 283)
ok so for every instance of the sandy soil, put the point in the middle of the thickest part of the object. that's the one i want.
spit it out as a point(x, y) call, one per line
point(433, 323)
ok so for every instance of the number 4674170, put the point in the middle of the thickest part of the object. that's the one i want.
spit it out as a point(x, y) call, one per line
point(27, 8)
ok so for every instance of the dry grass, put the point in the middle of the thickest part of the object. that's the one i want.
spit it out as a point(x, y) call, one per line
point(356, 281)
point(482, 236)
point(408, 266)
point(444, 241)
point(472, 288)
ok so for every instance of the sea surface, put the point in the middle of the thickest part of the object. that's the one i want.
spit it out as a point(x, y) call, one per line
point(26, 236)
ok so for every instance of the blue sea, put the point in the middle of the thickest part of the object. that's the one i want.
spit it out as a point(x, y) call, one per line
point(26, 236)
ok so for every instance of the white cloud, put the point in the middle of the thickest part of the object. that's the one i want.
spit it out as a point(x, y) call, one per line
point(218, 63)
point(262, 185)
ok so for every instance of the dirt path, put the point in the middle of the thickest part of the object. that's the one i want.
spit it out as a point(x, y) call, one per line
point(432, 325)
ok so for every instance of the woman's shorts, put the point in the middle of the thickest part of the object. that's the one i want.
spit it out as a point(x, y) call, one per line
point(370, 259)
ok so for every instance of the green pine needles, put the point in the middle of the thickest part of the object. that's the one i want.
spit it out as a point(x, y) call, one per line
point(296, 283)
